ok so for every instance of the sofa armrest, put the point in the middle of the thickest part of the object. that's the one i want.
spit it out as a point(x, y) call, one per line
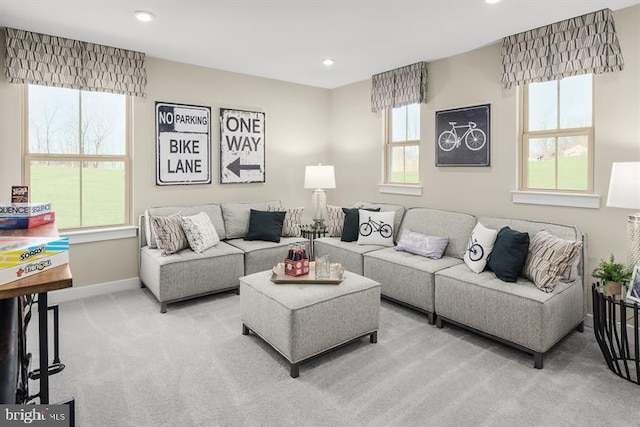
point(142, 230)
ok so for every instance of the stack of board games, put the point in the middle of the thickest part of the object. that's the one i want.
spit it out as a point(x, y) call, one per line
point(22, 257)
point(25, 215)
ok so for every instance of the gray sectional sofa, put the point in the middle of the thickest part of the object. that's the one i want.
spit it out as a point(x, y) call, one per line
point(445, 289)
point(187, 274)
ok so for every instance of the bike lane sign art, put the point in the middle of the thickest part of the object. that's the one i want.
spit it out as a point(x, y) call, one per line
point(463, 136)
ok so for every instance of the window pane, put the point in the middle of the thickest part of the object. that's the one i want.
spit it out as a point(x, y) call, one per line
point(103, 123)
point(58, 183)
point(103, 195)
point(543, 106)
point(53, 120)
point(411, 166)
point(542, 163)
point(396, 164)
point(575, 101)
point(413, 122)
point(573, 165)
point(399, 124)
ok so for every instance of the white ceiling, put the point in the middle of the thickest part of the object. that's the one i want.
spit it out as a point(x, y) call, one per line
point(288, 39)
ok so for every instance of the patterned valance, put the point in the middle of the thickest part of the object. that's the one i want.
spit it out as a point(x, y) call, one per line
point(582, 45)
point(56, 61)
point(402, 86)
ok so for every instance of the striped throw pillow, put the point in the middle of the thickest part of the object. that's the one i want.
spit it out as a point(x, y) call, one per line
point(335, 221)
point(550, 259)
point(169, 234)
point(292, 220)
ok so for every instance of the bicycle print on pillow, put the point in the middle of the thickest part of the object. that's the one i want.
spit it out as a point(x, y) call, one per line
point(463, 136)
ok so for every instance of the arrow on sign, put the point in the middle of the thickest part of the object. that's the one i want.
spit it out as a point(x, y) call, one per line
point(236, 167)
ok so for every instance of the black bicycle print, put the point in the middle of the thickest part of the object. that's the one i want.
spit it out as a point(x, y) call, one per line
point(366, 228)
point(476, 252)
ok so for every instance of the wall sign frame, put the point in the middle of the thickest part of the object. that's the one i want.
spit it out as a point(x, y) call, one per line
point(242, 146)
point(463, 136)
point(183, 144)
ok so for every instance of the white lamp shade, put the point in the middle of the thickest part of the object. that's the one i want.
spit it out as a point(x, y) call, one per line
point(319, 177)
point(624, 187)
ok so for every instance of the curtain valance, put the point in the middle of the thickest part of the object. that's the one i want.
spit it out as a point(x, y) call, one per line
point(580, 45)
point(401, 86)
point(41, 59)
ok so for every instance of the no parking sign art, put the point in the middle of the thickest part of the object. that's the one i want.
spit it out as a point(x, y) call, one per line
point(183, 150)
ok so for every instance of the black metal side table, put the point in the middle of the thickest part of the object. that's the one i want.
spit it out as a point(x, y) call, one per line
point(610, 327)
point(312, 232)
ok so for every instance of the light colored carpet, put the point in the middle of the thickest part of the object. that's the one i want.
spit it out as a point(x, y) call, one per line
point(129, 365)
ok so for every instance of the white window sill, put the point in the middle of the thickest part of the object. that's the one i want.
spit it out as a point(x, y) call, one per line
point(574, 200)
point(100, 234)
point(406, 190)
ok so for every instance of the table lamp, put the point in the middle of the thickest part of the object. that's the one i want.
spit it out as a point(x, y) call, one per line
point(624, 192)
point(318, 178)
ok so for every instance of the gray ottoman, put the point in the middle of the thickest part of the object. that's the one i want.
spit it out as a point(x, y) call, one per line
point(303, 321)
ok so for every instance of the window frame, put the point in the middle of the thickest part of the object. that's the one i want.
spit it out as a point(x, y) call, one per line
point(389, 145)
point(126, 158)
point(526, 135)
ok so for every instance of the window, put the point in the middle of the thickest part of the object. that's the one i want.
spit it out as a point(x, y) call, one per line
point(77, 155)
point(557, 138)
point(402, 145)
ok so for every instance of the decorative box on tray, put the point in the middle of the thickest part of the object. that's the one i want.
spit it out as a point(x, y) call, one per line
point(297, 261)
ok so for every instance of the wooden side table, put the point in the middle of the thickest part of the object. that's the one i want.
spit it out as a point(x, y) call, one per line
point(610, 327)
point(312, 232)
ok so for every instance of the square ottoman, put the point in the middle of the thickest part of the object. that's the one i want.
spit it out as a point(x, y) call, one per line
point(302, 321)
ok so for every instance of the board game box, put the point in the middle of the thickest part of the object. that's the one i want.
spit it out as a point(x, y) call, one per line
point(22, 257)
point(22, 222)
point(24, 209)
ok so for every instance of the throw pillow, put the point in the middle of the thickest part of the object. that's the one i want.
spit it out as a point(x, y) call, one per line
point(292, 220)
point(352, 222)
point(550, 259)
point(335, 221)
point(509, 254)
point(375, 228)
point(421, 244)
point(265, 225)
point(200, 232)
point(169, 234)
point(479, 247)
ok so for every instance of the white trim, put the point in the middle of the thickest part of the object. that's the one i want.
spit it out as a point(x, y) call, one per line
point(74, 293)
point(100, 234)
point(406, 190)
point(575, 200)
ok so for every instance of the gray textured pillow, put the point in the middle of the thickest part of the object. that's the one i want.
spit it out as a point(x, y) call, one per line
point(169, 234)
point(292, 220)
point(200, 232)
point(422, 244)
point(550, 259)
point(335, 221)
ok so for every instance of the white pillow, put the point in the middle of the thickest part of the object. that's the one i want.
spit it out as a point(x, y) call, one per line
point(421, 244)
point(200, 232)
point(375, 228)
point(479, 247)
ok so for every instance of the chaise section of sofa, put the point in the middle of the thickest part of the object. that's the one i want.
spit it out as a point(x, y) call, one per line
point(408, 279)
point(518, 313)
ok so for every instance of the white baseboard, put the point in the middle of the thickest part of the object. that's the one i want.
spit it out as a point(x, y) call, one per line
point(74, 293)
point(588, 321)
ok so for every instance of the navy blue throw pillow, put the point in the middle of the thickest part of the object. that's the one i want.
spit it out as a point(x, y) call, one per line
point(265, 225)
point(509, 254)
point(351, 223)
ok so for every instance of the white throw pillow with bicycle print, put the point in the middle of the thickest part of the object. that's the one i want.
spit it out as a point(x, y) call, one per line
point(375, 228)
point(479, 247)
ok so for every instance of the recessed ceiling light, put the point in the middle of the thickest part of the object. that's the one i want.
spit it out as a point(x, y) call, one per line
point(328, 62)
point(143, 15)
point(492, 1)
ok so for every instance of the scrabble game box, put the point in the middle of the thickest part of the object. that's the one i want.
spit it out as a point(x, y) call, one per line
point(25, 256)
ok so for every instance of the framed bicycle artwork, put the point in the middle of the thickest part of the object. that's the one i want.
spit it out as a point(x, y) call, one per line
point(463, 136)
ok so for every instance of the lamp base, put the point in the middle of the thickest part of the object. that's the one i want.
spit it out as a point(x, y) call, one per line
point(319, 203)
point(633, 240)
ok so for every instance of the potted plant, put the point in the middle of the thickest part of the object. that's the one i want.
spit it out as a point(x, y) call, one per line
point(613, 275)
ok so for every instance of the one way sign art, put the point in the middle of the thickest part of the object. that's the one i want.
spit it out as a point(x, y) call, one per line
point(241, 146)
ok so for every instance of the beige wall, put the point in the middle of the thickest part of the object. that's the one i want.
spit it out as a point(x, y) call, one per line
point(306, 125)
point(473, 78)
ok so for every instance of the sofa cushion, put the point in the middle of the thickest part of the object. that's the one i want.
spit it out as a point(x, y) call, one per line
point(260, 255)
point(292, 220)
point(265, 225)
point(351, 223)
point(550, 258)
point(200, 232)
point(349, 254)
point(479, 248)
point(236, 216)
point(375, 228)
point(509, 254)
point(422, 244)
point(169, 234)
